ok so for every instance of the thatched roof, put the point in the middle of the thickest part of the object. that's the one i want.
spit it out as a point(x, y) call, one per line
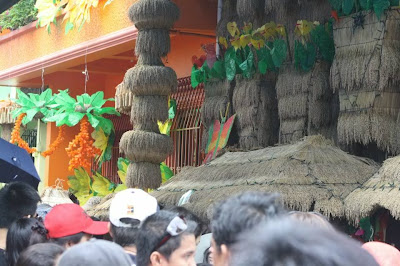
point(311, 174)
point(382, 190)
point(6, 108)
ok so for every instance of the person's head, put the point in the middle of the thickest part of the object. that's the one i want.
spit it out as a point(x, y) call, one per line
point(44, 254)
point(95, 252)
point(127, 210)
point(207, 258)
point(166, 239)
point(68, 224)
point(21, 234)
point(238, 214)
point(201, 227)
point(42, 210)
point(312, 218)
point(384, 254)
point(17, 200)
point(284, 241)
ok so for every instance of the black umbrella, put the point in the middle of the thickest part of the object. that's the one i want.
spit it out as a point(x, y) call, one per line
point(16, 165)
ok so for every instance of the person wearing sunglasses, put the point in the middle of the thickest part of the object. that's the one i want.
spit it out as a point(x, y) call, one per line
point(166, 239)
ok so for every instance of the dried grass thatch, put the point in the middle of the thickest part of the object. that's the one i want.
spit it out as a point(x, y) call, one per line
point(250, 11)
point(149, 59)
point(254, 102)
point(155, 42)
point(102, 210)
point(382, 190)
point(92, 203)
point(228, 15)
point(151, 80)
point(123, 99)
point(6, 109)
point(149, 109)
point(143, 175)
point(309, 173)
point(305, 102)
point(54, 196)
point(367, 59)
point(154, 14)
point(142, 146)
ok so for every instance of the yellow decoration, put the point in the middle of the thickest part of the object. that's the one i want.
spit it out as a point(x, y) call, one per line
point(245, 40)
point(101, 141)
point(101, 185)
point(78, 11)
point(47, 12)
point(281, 30)
point(247, 28)
point(235, 42)
point(258, 44)
point(303, 27)
point(233, 29)
point(223, 42)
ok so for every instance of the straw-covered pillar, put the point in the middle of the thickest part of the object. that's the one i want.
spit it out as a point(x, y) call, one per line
point(365, 72)
point(150, 82)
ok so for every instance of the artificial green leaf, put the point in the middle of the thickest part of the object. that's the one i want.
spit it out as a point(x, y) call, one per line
point(278, 53)
point(324, 41)
point(40, 103)
point(263, 66)
point(394, 2)
point(380, 6)
point(107, 110)
point(30, 114)
point(165, 128)
point(195, 77)
point(34, 97)
point(366, 4)
point(68, 27)
point(166, 172)
point(74, 118)
point(172, 108)
point(101, 185)
point(93, 120)
point(97, 99)
point(347, 7)
point(120, 187)
point(105, 124)
point(336, 4)
point(230, 63)
point(218, 69)
point(24, 99)
point(63, 98)
point(46, 95)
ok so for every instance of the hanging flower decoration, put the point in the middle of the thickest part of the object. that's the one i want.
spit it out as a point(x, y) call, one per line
point(88, 111)
point(34, 106)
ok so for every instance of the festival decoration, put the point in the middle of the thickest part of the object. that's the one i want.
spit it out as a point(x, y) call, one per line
point(165, 127)
point(16, 135)
point(315, 42)
point(347, 7)
point(88, 111)
point(246, 53)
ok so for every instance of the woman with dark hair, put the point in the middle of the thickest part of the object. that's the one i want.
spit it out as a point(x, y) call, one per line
point(44, 254)
point(22, 234)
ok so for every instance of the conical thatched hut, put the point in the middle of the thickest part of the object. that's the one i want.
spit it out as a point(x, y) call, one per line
point(123, 99)
point(311, 174)
point(365, 73)
point(382, 190)
point(6, 119)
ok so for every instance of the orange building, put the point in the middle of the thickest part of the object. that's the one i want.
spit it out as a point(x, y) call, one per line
point(106, 47)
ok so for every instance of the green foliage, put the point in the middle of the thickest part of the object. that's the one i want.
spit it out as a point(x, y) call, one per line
point(33, 104)
point(347, 7)
point(19, 15)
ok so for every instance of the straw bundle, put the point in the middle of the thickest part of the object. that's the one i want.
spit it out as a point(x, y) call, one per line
point(369, 58)
point(102, 210)
point(311, 175)
point(149, 109)
point(123, 99)
point(92, 203)
point(142, 146)
point(250, 11)
point(305, 101)
point(54, 196)
point(153, 41)
point(154, 14)
point(380, 191)
point(254, 102)
point(150, 60)
point(6, 112)
point(143, 175)
point(228, 15)
point(151, 80)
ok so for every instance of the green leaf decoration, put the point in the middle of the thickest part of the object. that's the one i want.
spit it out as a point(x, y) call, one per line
point(195, 77)
point(74, 118)
point(305, 55)
point(324, 41)
point(366, 4)
point(218, 70)
point(278, 53)
point(80, 185)
point(101, 185)
point(68, 27)
point(336, 4)
point(30, 114)
point(394, 2)
point(230, 63)
point(105, 124)
point(166, 172)
point(120, 187)
point(97, 99)
point(107, 110)
point(380, 6)
point(347, 7)
point(172, 108)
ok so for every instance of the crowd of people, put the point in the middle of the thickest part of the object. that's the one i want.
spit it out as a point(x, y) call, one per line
point(252, 228)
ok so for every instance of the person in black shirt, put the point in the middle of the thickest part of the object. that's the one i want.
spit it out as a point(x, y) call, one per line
point(17, 200)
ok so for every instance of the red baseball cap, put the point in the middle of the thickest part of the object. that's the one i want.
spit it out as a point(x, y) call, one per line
point(69, 219)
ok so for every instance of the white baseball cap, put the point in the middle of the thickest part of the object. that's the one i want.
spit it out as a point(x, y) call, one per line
point(131, 203)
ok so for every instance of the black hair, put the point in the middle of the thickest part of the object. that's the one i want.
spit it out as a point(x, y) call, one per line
point(201, 227)
point(74, 239)
point(17, 200)
point(203, 264)
point(286, 241)
point(241, 213)
point(206, 255)
point(22, 234)
point(151, 233)
point(44, 254)
point(124, 236)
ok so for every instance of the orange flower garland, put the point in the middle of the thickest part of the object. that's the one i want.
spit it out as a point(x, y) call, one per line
point(16, 135)
point(53, 146)
point(81, 149)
